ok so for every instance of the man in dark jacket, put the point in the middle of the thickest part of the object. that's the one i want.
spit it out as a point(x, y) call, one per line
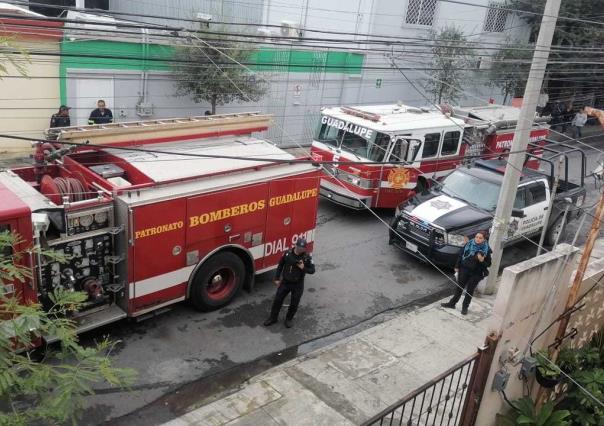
point(472, 266)
point(292, 268)
point(101, 115)
point(61, 118)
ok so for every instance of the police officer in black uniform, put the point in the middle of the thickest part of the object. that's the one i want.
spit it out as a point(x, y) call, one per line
point(293, 266)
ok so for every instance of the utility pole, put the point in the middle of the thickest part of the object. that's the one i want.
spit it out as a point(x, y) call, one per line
point(521, 139)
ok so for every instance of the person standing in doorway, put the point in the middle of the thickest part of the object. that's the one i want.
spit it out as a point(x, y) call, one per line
point(472, 266)
point(578, 123)
point(289, 278)
point(100, 115)
point(61, 118)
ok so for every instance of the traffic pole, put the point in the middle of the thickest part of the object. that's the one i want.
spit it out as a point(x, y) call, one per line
point(521, 139)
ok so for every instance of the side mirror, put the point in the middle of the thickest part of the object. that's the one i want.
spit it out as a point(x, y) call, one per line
point(518, 213)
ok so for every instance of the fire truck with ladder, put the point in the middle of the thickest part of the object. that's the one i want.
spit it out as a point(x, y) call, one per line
point(388, 153)
point(151, 213)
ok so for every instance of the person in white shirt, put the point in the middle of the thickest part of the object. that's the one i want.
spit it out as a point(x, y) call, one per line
point(578, 122)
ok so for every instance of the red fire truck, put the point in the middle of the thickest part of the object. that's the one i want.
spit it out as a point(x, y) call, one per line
point(165, 219)
point(428, 144)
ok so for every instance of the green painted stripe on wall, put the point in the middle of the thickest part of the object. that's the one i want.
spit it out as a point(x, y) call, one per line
point(81, 55)
point(281, 60)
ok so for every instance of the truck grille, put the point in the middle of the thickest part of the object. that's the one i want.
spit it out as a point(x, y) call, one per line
point(415, 227)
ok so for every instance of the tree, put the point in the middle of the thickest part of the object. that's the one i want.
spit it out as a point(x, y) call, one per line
point(510, 68)
point(452, 60)
point(9, 58)
point(51, 391)
point(207, 75)
point(573, 65)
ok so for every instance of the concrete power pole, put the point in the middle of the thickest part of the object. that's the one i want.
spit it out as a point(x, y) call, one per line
point(521, 139)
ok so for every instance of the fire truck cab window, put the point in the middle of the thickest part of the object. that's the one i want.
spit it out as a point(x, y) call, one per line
point(431, 142)
point(399, 150)
point(329, 135)
point(355, 144)
point(378, 149)
point(450, 143)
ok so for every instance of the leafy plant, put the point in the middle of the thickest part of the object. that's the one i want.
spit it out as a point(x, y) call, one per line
point(586, 366)
point(8, 56)
point(51, 391)
point(510, 68)
point(452, 57)
point(206, 74)
point(525, 413)
point(545, 366)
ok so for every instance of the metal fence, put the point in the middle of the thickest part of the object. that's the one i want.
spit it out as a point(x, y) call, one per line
point(441, 401)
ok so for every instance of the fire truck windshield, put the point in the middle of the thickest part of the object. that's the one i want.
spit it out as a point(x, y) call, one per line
point(478, 192)
point(362, 142)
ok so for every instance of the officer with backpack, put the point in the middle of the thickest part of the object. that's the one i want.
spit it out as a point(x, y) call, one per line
point(292, 268)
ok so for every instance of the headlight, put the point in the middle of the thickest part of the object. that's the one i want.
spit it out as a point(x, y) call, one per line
point(456, 240)
point(355, 181)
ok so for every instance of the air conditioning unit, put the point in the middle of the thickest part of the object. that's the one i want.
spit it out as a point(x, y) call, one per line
point(291, 29)
point(265, 32)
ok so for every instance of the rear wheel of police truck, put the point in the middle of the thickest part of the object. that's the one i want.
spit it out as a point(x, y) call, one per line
point(555, 232)
point(217, 281)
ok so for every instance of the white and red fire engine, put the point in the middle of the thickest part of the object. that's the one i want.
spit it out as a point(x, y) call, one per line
point(169, 221)
point(428, 144)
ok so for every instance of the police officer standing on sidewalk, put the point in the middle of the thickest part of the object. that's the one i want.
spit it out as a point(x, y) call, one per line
point(293, 266)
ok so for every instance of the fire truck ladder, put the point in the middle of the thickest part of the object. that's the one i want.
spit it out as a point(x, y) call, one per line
point(136, 132)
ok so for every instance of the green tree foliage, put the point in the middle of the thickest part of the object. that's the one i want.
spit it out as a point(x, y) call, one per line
point(570, 69)
point(510, 68)
point(51, 391)
point(452, 57)
point(8, 57)
point(207, 75)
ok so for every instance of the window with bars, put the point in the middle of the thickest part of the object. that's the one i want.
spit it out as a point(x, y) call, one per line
point(421, 12)
point(494, 21)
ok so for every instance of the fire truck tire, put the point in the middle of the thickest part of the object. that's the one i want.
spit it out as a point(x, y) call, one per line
point(217, 281)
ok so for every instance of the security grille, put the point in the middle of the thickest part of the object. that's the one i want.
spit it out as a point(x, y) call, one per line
point(421, 12)
point(495, 18)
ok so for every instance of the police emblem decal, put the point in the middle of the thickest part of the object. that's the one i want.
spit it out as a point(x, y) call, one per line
point(441, 205)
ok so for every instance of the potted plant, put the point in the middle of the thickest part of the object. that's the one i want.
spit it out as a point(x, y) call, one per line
point(548, 374)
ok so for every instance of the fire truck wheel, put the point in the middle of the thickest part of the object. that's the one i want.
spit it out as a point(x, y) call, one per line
point(217, 281)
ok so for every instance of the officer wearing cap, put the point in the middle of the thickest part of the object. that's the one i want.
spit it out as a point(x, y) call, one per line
point(292, 268)
point(61, 118)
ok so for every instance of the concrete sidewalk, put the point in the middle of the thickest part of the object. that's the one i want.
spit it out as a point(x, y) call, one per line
point(351, 380)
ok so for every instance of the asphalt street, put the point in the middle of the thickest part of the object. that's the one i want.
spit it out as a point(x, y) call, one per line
point(184, 357)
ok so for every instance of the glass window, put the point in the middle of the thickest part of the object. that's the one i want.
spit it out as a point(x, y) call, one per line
point(475, 191)
point(431, 142)
point(399, 151)
point(495, 18)
point(520, 200)
point(377, 150)
point(329, 135)
point(355, 144)
point(536, 193)
point(421, 12)
point(450, 143)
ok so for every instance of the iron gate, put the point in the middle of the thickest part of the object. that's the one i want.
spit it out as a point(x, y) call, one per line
point(451, 398)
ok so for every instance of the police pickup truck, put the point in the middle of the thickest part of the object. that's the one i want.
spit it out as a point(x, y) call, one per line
point(435, 225)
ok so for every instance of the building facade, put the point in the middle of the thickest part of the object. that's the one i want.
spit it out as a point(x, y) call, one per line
point(327, 59)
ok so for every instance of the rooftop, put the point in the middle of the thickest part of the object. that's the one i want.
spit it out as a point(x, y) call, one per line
point(394, 117)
